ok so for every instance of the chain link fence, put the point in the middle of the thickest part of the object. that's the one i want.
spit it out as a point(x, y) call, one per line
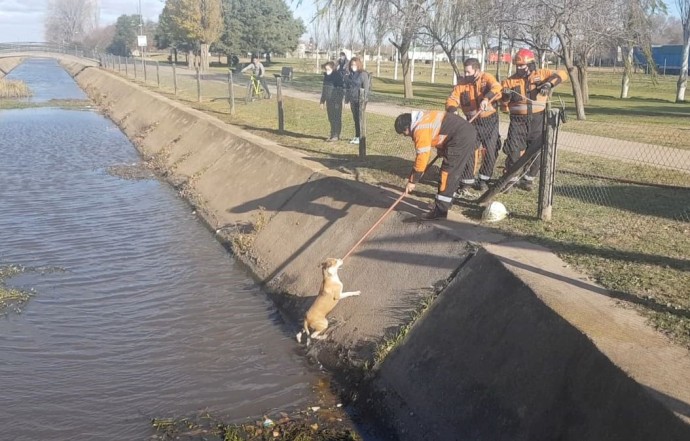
point(617, 165)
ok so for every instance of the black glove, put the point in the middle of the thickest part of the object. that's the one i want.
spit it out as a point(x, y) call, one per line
point(545, 88)
point(507, 92)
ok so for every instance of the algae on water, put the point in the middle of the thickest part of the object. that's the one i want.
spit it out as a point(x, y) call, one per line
point(11, 299)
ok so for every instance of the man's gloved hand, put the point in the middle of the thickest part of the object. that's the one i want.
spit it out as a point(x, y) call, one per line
point(484, 105)
point(545, 88)
point(409, 187)
point(507, 93)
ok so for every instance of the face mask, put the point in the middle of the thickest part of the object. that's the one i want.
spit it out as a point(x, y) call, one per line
point(329, 71)
point(353, 68)
point(523, 73)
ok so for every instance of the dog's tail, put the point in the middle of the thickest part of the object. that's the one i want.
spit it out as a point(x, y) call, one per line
point(305, 329)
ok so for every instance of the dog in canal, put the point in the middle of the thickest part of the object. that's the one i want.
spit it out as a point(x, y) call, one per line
point(331, 292)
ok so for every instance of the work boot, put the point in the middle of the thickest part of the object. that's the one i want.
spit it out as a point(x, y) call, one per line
point(526, 185)
point(462, 192)
point(434, 214)
point(481, 186)
point(332, 139)
point(354, 140)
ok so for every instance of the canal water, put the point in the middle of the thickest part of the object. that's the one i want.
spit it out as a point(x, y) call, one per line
point(138, 312)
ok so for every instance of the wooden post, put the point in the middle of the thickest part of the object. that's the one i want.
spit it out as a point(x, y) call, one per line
point(174, 78)
point(279, 98)
point(158, 74)
point(547, 170)
point(231, 92)
point(134, 65)
point(119, 64)
point(362, 123)
point(143, 66)
point(126, 66)
point(198, 84)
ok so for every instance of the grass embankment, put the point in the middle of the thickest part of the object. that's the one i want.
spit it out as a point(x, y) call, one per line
point(13, 89)
point(634, 240)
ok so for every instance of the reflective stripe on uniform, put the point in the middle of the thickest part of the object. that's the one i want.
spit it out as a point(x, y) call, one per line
point(423, 150)
point(529, 178)
point(444, 198)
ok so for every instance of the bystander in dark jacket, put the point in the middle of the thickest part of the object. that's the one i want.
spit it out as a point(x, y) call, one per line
point(332, 97)
point(357, 80)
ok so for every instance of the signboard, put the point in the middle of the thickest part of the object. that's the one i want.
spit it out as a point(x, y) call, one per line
point(141, 41)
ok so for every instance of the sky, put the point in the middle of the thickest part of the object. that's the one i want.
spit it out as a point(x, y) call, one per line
point(22, 20)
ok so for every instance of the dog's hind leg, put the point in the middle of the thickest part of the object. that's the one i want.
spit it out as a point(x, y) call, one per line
point(319, 327)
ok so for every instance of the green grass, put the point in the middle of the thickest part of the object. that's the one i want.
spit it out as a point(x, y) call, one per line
point(632, 239)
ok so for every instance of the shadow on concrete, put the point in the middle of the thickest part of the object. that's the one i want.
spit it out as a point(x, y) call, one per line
point(668, 203)
point(491, 361)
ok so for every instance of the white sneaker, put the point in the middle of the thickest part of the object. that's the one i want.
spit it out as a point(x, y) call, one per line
point(354, 140)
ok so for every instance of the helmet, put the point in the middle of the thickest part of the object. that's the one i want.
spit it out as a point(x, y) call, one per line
point(523, 56)
point(495, 212)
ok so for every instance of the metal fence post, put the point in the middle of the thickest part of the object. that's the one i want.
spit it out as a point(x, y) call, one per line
point(279, 98)
point(198, 84)
point(174, 78)
point(134, 64)
point(119, 64)
point(143, 65)
point(126, 66)
point(158, 74)
point(548, 163)
point(362, 123)
point(231, 92)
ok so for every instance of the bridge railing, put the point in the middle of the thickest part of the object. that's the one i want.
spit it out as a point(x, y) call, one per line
point(75, 49)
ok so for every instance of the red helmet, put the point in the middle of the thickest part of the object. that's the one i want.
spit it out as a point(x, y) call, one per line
point(524, 56)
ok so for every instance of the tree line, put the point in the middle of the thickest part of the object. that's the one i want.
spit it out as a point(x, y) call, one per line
point(196, 27)
point(568, 30)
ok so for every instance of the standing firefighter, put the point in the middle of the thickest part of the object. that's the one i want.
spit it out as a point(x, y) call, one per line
point(452, 137)
point(524, 95)
point(474, 95)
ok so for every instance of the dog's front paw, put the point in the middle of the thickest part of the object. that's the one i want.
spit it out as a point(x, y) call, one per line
point(356, 293)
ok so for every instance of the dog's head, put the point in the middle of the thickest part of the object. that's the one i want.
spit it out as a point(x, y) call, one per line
point(331, 265)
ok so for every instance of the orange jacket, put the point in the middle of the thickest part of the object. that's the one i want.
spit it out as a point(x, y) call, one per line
point(528, 87)
point(468, 94)
point(426, 133)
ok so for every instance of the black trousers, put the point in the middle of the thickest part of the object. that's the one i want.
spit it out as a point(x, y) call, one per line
point(334, 109)
point(525, 135)
point(459, 153)
point(355, 107)
point(487, 136)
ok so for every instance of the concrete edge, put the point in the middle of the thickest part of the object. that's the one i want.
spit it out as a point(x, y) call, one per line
point(553, 298)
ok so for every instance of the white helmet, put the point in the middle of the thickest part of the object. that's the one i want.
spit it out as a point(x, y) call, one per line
point(495, 212)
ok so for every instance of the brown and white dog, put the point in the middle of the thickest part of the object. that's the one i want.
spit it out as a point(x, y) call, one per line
point(331, 291)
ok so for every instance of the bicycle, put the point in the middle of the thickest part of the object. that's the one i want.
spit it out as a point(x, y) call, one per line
point(255, 90)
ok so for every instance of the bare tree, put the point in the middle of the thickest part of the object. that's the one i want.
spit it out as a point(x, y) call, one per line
point(408, 14)
point(67, 20)
point(381, 26)
point(684, 11)
point(447, 23)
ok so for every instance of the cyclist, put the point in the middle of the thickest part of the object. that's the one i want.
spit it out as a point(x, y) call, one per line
point(258, 70)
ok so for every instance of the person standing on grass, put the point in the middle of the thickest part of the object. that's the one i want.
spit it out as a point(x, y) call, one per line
point(259, 72)
point(332, 96)
point(342, 67)
point(474, 95)
point(357, 79)
point(453, 138)
point(524, 95)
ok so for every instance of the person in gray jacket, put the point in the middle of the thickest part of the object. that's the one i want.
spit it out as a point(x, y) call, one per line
point(259, 72)
point(356, 80)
